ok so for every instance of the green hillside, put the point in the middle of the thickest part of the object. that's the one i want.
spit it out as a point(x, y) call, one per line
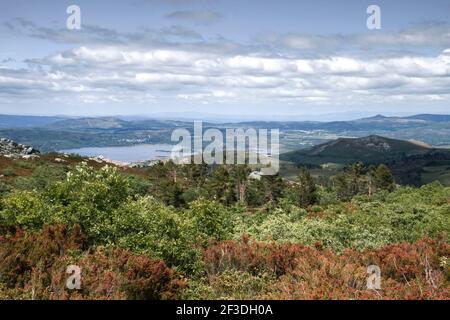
point(371, 149)
point(412, 163)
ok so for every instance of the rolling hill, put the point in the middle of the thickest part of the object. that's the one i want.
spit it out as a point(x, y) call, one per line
point(411, 163)
point(371, 149)
point(88, 123)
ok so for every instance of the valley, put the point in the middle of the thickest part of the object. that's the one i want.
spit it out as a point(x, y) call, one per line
point(73, 133)
point(413, 147)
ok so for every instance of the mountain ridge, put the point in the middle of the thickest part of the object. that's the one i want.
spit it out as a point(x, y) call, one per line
point(369, 149)
point(8, 121)
point(72, 133)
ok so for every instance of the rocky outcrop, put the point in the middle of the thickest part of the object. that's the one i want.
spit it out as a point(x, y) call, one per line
point(12, 149)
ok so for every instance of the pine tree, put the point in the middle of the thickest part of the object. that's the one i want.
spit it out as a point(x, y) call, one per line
point(383, 179)
point(307, 190)
point(219, 186)
point(371, 180)
point(240, 179)
point(341, 186)
point(273, 187)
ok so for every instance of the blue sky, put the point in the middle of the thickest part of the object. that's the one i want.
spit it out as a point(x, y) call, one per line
point(260, 59)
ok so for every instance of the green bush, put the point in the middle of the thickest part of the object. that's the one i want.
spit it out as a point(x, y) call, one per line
point(149, 227)
point(211, 220)
point(25, 209)
point(138, 185)
point(367, 222)
point(42, 177)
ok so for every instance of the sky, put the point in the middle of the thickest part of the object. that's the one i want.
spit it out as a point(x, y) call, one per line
point(258, 59)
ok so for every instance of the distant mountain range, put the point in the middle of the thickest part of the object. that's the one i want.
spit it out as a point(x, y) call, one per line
point(57, 133)
point(13, 121)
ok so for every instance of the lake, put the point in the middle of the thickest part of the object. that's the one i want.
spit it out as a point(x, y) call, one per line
point(128, 154)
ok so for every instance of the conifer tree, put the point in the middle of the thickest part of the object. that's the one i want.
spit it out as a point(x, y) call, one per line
point(383, 179)
point(307, 190)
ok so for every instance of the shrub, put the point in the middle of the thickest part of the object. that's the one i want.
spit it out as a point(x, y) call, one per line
point(33, 266)
point(139, 186)
point(100, 202)
point(211, 220)
point(25, 209)
point(252, 257)
point(229, 284)
point(26, 253)
point(149, 227)
point(88, 197)
point(367, 222)
point(114, 273)
point(42, 177)
point(408, 271)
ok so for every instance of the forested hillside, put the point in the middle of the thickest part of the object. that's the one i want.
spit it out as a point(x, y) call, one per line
point(411, 162)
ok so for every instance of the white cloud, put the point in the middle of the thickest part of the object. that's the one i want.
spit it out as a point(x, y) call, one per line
point(121, 73)
point(417, 36)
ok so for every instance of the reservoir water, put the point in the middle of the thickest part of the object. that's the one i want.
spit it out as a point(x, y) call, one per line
point(128, 154)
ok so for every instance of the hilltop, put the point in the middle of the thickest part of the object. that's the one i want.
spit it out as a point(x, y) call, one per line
point(371, 149)
point(411, 162)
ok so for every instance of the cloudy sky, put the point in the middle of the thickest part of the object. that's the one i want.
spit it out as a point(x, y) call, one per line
point(259, 58)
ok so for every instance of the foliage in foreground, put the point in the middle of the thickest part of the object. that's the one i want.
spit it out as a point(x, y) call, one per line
point(33, 266)
point(255, 270)
point(305, 242)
